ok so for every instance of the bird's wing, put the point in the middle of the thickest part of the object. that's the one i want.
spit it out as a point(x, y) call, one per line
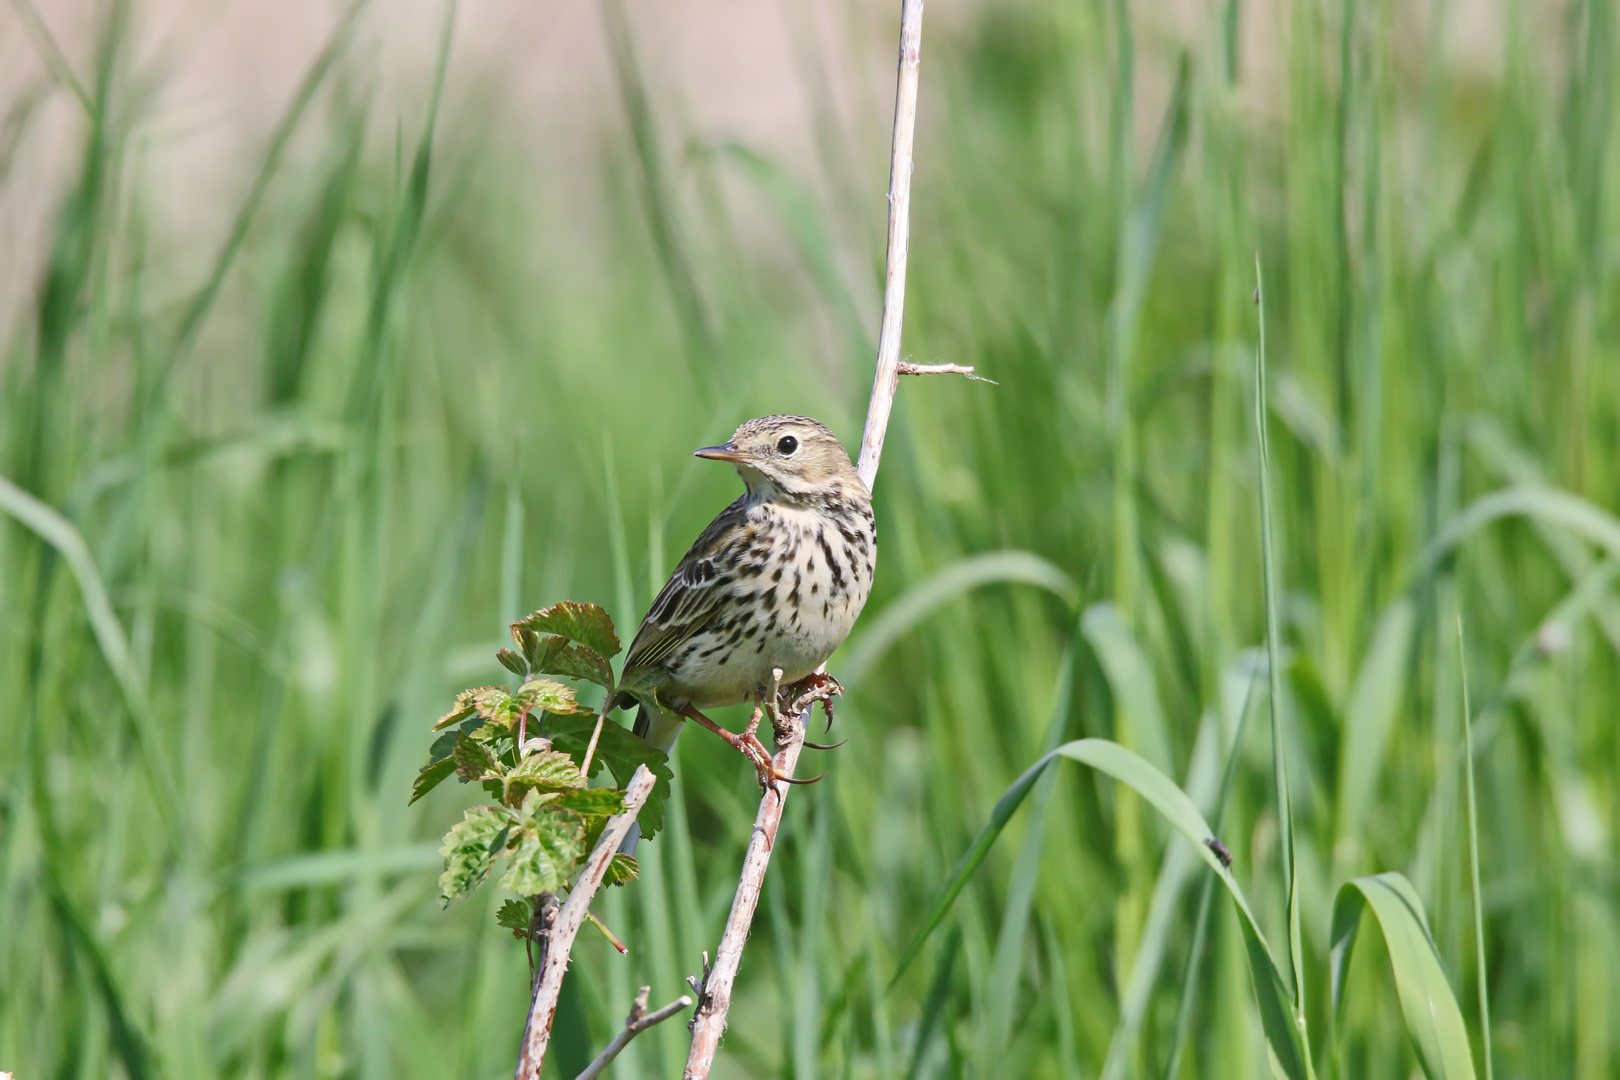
point(692, 595)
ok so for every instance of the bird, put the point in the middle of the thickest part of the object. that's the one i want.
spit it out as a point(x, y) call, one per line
point(767, 591)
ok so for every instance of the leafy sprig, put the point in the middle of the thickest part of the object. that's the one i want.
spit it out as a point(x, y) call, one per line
point(528, 749)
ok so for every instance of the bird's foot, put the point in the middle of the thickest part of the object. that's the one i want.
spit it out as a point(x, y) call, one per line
point(748, 745)
point(817, 686)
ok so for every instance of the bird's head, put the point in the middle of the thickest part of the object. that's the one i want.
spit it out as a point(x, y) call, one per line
point(793, 454)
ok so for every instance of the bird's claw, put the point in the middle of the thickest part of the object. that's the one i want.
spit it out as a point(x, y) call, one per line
point(808, 745)
point(817, 686)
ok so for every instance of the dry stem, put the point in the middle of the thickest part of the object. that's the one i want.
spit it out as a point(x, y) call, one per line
point(908, 368)
point(709, 1023)
point(554, 963)
point(638, 1021)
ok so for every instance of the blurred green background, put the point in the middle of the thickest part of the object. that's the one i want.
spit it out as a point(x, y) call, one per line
point(426, 366)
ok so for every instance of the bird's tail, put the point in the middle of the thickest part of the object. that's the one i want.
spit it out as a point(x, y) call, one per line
point(659, 730)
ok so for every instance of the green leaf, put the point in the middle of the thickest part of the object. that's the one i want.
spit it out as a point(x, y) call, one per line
point(1281, 1025)
point(467, 849)
point(512, 661)
point(1375, 701)
point(465, 706)
point(643, 684)
point(544, 771)
point(546, 855)
point(596, 802)
point(516, 915)
point(620, 750)
point(443, 747)
point(587, 624)
point(558, 656)
point(622, 870)
point(474, 760)
point(550, 695)
point(861, 654)
point(1432, 1017)
point(431, 776)
point(1130, 679)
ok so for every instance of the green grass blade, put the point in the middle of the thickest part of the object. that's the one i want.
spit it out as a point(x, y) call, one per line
point(1195, 951)
point(856, 659)
point(1008, 963)
point(1130, 677)
point(1284, 1027)
point(1005, 807)
point(59, 533)
point(1369, 717)
point(1279, 755)
point(1432, 1017)
point(1473, 859)
point(1580, 516)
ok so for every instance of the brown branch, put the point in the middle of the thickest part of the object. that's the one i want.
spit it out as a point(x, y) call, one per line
point(565, 927)
point(638, 1021)
point(709, 1023)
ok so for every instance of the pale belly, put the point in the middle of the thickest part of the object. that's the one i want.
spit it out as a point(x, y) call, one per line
point(793, 622)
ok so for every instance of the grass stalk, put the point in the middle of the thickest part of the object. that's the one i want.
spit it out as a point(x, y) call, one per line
point(1480, 974)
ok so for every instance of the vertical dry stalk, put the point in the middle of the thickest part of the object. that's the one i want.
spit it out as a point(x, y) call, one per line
point(887, 376)
point(554, 965)
point(710, 1021)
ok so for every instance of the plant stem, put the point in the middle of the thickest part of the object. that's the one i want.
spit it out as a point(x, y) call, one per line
point(1473, 859)
point(543, 1009)
point(709, 1023)
point(638, 1021)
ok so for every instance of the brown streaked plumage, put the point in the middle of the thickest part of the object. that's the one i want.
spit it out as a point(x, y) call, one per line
point(775, 582)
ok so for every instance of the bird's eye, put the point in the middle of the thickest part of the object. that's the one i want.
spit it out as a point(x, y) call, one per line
point(787, 445)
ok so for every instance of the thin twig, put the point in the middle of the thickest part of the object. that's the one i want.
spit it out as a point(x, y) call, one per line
point(638, 1021)
point(542, 1010)
point(908, 368)
point(709, 1023)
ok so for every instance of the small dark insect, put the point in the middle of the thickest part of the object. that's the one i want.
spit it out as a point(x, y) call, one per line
point(1220, 852)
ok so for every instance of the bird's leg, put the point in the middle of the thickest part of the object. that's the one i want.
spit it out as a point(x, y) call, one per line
point(759, 712)
point(748, 745)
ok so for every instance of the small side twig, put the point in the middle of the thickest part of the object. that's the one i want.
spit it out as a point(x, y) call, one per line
point(565, 927)
point(909, 368)
point(638, 1021)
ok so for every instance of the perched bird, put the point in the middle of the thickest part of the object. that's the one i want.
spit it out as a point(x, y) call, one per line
point(775, 582)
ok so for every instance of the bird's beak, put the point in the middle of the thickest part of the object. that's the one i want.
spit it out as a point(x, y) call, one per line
point(728, 452)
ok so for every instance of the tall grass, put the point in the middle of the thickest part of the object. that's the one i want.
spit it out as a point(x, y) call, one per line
point(261, 532)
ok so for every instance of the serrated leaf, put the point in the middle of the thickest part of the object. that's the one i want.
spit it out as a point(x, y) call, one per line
point(546, 856)
point(512, 661)
point(443, 747)
point(546, 771)
point(550, 695)
point(621, 752)
point(596, 802)
point(515, 915)
point(585, 623)
point(431, 776)
point(481, 701)
point(474, 760)
point(466, 849)
point(556, 655)
point(463, 708)
point(622, 870)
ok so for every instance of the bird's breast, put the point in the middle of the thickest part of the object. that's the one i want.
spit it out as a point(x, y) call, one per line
point(798, 578)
